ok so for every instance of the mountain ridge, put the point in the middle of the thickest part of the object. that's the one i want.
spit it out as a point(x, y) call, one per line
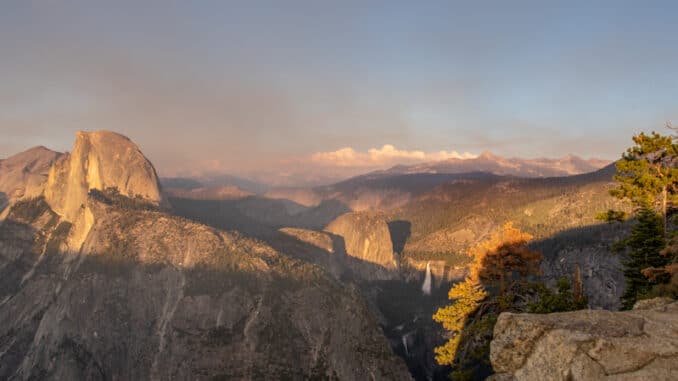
point(257, 182)
point(514, 166)
point(24, 174)
point(112, 286)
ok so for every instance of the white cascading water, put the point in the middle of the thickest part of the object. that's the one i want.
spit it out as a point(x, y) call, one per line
point(407, 352)
point(426, 287)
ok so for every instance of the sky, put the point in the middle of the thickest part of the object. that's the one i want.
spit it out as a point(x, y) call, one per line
point(336, 87)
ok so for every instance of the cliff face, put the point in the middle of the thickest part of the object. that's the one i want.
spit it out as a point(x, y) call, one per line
point(590, 249)
point(641, 344)
point(142, 301)
point(100, 160)
point(320, 240)
point(97, 290)
point(603, 280)
point(367, 238)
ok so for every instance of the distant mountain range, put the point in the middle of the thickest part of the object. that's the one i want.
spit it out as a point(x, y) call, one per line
point(487, 162)
point(385, 189)
point(431, 174)
point(214, 181)
point(490, 163)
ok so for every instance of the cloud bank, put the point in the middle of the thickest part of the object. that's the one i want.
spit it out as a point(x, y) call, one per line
point(380, 157)
point(239, 88)
point(324, 167)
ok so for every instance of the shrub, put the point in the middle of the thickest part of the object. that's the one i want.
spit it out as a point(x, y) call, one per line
point(111, 196)
point(561, 300)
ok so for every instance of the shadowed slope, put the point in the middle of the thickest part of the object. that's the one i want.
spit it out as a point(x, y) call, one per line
point(97, 283)
point(140, 301)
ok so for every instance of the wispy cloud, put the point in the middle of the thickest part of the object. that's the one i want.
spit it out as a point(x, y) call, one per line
point(379, 157)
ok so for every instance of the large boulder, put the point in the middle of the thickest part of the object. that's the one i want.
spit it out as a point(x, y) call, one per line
point(641, 344)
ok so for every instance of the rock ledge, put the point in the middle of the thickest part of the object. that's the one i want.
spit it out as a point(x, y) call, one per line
point(641, 344)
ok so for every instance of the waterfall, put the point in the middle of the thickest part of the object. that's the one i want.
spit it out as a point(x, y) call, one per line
point(426, 287)
point(407, 352)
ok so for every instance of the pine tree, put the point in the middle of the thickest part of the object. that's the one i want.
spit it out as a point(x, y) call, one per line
point(566, 298)
point(645, 242)
point(647, 174)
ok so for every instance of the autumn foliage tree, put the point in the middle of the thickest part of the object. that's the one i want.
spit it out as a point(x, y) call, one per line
point(499, 262)
point(467, 297)
point(503, 257)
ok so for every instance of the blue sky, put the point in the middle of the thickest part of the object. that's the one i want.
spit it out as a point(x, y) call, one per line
point(239, 86)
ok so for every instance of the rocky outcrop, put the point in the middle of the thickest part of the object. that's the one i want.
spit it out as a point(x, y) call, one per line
point(100, 160)
point(321, 240)
point(328, 251)
point(152, 296)
point(320, 248)
point(24, 175)
point(102, 290)
point(367, 238)
point(641, 344)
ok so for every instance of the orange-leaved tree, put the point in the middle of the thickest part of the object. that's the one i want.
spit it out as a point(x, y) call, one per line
point(499, 262)
point(504, 256)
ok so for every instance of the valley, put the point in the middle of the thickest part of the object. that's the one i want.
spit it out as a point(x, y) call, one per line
point(338, 191)
point(429, 220)
point(205, 271)
point(93, 290)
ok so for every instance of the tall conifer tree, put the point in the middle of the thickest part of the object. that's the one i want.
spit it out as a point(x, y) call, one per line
point(645, 243)
point(647, 175)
